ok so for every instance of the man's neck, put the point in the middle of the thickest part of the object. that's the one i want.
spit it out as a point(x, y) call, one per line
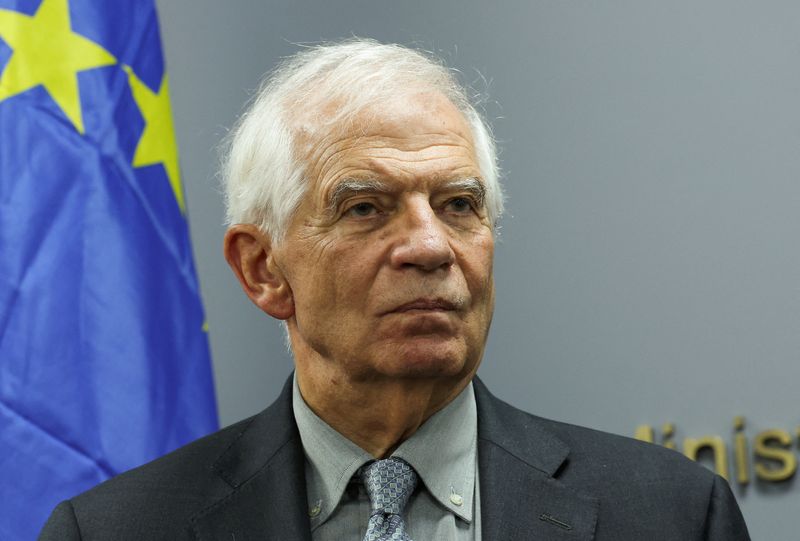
point(377, 415)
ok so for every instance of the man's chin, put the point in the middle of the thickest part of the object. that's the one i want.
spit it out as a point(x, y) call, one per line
point(421, 359)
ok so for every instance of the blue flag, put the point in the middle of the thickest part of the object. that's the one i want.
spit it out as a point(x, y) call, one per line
point(104, 360)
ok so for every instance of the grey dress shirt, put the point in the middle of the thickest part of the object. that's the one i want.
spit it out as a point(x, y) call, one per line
point(446, 504)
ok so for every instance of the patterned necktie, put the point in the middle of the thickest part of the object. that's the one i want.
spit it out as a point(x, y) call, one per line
point(389, 483)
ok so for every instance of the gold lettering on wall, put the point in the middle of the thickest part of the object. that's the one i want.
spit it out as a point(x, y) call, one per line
point(772, 456)
point(740, 451)
point(771, 445)
point(644, 433)
point(668, 432)
point(693, 446)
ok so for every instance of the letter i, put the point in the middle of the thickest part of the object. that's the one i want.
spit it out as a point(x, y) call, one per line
point(667, 432)
point(740, 451)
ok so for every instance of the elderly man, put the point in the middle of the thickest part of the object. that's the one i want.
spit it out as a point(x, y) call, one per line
point(362, 191)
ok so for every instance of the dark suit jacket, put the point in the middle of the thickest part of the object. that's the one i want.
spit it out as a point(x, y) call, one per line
point(539, 479)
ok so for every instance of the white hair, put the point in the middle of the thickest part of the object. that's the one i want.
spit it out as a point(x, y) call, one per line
point(264, 179)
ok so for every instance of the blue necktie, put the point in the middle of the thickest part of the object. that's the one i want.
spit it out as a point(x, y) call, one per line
point(389, 483)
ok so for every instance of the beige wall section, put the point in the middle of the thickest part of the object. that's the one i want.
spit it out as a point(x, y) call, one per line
point(648, 271)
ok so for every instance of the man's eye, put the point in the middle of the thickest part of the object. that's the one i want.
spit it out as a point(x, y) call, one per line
point(362, 210)
point(459, 204)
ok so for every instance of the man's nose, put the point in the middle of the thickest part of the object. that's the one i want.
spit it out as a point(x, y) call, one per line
point(422, 239)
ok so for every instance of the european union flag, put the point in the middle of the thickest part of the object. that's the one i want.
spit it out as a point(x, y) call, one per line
point(104, 360)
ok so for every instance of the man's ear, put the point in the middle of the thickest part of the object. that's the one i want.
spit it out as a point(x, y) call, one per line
point(248, 251)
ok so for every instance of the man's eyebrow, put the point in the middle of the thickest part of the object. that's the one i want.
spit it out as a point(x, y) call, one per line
point(349, 187)
point(472, 185)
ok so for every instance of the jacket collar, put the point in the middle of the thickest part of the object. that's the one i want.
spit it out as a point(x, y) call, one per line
point(518, 460)
point(265, 468)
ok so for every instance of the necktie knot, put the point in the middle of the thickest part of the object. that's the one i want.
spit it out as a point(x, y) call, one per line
point(389, 484)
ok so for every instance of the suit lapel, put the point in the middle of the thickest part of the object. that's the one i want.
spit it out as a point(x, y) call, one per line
point(520, 495)
point(266, 471)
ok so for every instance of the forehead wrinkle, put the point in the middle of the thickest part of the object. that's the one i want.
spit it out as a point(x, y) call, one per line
point(426, 152)
point(330, 145)
point(419, 141)
point(440, 167)
point(321, 155)
point(372, 149)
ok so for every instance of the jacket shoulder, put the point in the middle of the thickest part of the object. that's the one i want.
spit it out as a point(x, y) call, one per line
point(153, 501)
point(642, 490)
point(578, 452)
point(160, 496)
point(647, 488)
point(637, 461)
point(161, 499)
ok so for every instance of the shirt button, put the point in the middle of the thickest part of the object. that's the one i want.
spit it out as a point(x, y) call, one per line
point(315, 511)
point(456, 499)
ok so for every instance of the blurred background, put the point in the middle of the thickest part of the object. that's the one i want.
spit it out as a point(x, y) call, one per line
point(647, 270)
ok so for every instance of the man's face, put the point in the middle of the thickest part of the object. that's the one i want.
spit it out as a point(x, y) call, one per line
point(389, 256)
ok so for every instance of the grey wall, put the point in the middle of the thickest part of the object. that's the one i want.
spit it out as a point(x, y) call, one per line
point(648, 269)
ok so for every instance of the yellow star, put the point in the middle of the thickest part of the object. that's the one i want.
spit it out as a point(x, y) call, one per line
point(157, 143)
point(46, 51)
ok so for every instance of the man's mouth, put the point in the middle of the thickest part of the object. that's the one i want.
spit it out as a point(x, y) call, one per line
point(427, 305)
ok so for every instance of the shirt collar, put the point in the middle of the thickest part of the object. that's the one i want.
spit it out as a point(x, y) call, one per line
point(331, 460)
point(442, 451)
